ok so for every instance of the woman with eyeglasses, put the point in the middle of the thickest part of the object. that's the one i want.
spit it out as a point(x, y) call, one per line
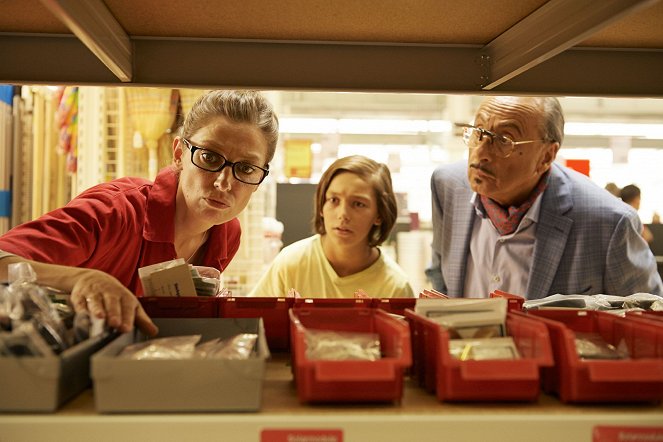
point(355, 211)
point(94, 246)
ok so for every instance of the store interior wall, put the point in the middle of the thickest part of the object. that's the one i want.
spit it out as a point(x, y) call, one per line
point(412, 133)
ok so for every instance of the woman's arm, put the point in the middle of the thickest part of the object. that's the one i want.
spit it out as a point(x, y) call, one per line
point(92, 290)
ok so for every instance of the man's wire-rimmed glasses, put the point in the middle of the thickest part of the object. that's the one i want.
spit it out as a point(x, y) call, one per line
point(212, 161)
point(473, 136)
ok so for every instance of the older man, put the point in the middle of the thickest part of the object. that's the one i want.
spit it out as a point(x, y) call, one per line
point(512, 219)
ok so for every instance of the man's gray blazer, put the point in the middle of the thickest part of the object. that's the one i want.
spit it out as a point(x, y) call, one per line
point(587, 241)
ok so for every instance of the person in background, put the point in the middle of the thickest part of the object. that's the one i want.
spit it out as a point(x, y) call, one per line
point(631, 195)
point(613, 189)
point(355, 210)
point(512, 219)
point(94, 246)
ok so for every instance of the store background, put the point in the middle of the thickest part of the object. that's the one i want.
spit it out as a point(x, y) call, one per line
point(58, 142)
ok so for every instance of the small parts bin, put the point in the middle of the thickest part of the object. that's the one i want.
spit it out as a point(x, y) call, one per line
point(44, 383)
point(637, 379)
point(273, 311)
point(352, 380)
point(181, 385)
point(480, 380)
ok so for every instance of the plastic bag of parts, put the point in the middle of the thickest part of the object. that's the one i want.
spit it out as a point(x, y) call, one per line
point(483, 349)
point(32, 324)
point(341, 346)
point(240, 346)
point(593, 346)
point(206, 280)
point(644, 301)
point(189, 347)
point(175, 347)
point(589, 302)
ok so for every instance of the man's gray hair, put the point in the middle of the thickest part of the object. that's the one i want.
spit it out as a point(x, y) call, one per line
point(553, 119)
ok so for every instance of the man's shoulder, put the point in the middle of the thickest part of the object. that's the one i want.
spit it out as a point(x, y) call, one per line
point(454, 173)
point(586, 194)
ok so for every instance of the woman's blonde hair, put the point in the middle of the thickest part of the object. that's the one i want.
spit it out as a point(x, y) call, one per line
point(243, 106)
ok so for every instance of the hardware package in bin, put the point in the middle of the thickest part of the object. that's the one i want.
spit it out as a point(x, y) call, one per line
point(601, 357)
point(193, 379)
point(348, 354)
point(473, 350)
point(45, 347)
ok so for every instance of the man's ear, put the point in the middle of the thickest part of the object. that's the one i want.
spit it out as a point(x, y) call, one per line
point(178, 151)
point(549, 155)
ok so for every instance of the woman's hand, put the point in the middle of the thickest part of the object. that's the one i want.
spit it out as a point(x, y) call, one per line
point(105, 297)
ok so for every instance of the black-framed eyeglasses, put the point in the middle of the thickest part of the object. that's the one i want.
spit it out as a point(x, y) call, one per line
point(473, 136)
point(211, 161)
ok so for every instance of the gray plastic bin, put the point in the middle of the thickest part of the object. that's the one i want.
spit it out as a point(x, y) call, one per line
point(125, 385)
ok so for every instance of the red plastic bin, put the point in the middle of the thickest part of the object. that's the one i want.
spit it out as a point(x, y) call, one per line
point(333, 302)
point(396, 306)
point(350, 381)
point(638, 379)
point(514, 302)
point(180, 306)
point(273, 311)
point(487, 380)
point(655, 316)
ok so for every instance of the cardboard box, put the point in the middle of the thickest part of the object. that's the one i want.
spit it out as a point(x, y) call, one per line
point(169, 278)
point(204, 385)
point(43, 384)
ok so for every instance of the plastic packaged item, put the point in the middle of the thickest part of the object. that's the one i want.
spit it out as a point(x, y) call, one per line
point(331, 345)
point(206, 280)
point(174, 347)
point(483, 349)
point(643, 301)
point(593, 346)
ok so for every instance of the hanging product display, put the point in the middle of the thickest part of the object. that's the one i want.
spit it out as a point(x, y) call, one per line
point(151, 112)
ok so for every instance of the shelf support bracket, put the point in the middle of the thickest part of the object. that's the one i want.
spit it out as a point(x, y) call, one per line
point(554, 27)
point(97, 28)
